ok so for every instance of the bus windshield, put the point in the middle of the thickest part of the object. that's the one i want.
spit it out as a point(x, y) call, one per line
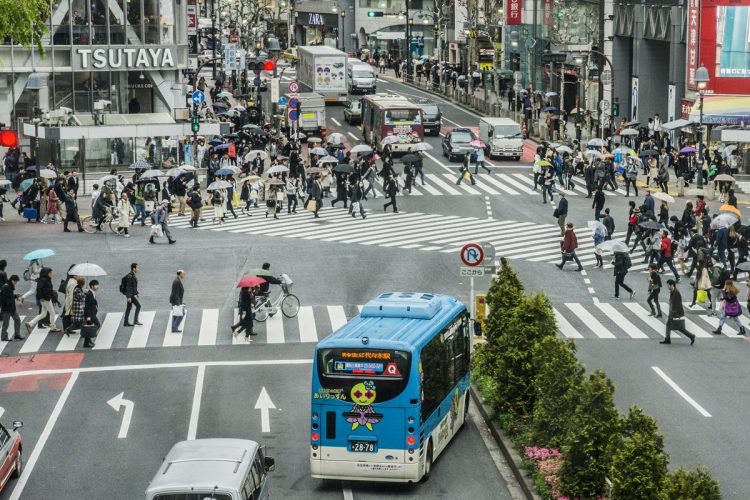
point(505, 131)
point(402, 117)
point(340, 369)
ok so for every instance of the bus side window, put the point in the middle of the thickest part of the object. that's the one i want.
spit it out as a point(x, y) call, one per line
point(434, 384)
point(248, 488)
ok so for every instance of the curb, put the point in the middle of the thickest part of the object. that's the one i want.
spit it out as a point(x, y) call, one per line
point(511, 457)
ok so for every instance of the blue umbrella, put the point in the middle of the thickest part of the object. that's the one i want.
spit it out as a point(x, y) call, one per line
point(42, 253)
point(550, 109)
point(140, 164)
point(26, 183)
point(215, 142)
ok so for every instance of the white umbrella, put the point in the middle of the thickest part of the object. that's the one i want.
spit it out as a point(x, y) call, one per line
point(256, 152)
point(550, 94)
point(614, 246)
point(421, 146)
point(390, 139)
point(314, 140)
point(319, 151)
point(328, 159)
point(594, 153)
point(87, 269)
point(724, 220)
point(629, 131)
point(152, 173)
point(362, 148)
point(108, 178)
point(47, 173)
point(335, 138)
point(564, 149)
point(659, 195)
point(595, 226)
point(729, 149)
point(187, 168)
point(596, 142)
point(218, 185)
point(73, 149)
point(278, 169)
point(4, 183)
point(173, 172)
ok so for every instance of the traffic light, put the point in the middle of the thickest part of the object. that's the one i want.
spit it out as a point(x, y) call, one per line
point(8, 138)
point(196, 125)
point(269, 65)
point(374, 13)
point(615, 109)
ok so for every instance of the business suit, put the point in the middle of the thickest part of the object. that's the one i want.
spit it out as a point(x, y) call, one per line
point(176, 299)
point(316, 193)
point(676, 318)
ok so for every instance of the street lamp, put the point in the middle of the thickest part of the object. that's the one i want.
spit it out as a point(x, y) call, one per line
point(701, 80)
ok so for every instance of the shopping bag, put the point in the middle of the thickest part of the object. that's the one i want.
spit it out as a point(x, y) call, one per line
point(236, 199)
point(149, 206)
point(312, 206)
point(178, 310)
point(355, 207)
point(701, 296)
point(157, 231)
point(467, 175)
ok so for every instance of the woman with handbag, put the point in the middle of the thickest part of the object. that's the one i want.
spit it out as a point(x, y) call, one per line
point(702, 287)
point(123, 219)
point(729, 307)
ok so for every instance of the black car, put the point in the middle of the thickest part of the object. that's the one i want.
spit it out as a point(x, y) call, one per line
point(432, 115)
point(456, 143)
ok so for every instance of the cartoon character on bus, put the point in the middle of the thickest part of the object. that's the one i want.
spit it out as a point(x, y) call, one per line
point(363, 395)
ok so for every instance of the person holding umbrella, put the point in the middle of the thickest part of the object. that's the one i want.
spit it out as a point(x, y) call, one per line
point(47, 296)
point(34, 268)
point(245, 305)
point(465, 171)
point(218, 201)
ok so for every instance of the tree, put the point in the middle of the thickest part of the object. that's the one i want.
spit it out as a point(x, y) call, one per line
point(698, 485)
point(504, 294)
point(592, 426)
point(24, 21)
point(532, 320)
point(558, 376)
point(639, 463)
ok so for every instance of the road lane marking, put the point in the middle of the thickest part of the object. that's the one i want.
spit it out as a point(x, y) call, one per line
point(353, 136)
point(642, 314)
point(209, 327)
point(68, 342)
point(118, 402)
point(196, 408)
point(139, 336)
point(346, 489)
point(489, 206)
point(174, 339)
point(611, 312)
point(565, 327)
point(334, 120)
point(438, 162)
point(307, 330)
point(588, 319)
point(107, 332)
point(275, 329)
point(43, 437)
point(34, 340)
point(433, 178)
point(337, 316)
point(679, 391)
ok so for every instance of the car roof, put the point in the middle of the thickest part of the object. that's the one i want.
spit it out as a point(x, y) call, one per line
point(203, 464)
point(422, 100)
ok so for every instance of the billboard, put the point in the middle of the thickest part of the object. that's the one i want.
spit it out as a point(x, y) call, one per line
point(725, 46)
point(460, 18)
point(513, 16)
point(330, 73)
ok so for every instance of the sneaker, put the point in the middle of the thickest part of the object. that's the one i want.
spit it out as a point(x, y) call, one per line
point(632, 295)
point(248, 340)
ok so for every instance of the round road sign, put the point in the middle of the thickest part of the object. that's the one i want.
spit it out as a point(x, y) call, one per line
point(282, 101)
point(294, 87)
point(472, 254)
point(198, 97)
point(293, 114)
point(517, 75)
point(517, 87)
point(293, 103)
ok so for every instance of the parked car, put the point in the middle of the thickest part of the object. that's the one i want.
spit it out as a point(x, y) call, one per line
point(456, 143)
point(290, 55)
point(353, 111)
point(432, 115)
point(10, 453)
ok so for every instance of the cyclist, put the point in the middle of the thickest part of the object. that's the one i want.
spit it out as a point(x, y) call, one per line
point(103, 206)
point(270, 280)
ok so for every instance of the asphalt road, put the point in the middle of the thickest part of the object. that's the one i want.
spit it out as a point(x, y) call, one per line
point(337, 264)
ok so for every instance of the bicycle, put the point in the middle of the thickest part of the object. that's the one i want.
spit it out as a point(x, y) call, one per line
point(89, 223)
point(287, 301)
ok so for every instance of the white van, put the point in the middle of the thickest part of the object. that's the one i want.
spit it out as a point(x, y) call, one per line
point(220, 469)
point(503, 137)
point(361, 77)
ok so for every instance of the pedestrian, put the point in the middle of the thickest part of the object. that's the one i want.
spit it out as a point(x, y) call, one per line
point(160, 219)
point(598, 203)
point(32, 276)
point(419, 167)
point(129, 288)
point(631, 176)
point(52, 212)
point(599, 235)
point(195, 202)
point(246, 307)
point(654, 287)
point(667, 248)
point(356, 200)
point(176, 299)
point(729, 307)
point(8, 299)
point(622, 264)
point(78, 306)
point(548, 185)
point(465, 172)
point(68, 287)
point(218, 202)
point(561, 212)
point(676, 316)
point(139, 205)
point(123, 219)
point(91, 305)
point(315, 196)
point(292, 188)
point(589, 174)
point(47, 296)
point(609, 224)
point(391, 189)
point(568, 248)
point(71, 211)
point(3, 274)
point(479, 162)
point(633, 213)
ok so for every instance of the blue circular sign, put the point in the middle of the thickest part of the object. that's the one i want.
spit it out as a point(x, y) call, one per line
point(293, 103)
point(256, 82)
point(282, 100)
point(293, 114)
point(198, 97)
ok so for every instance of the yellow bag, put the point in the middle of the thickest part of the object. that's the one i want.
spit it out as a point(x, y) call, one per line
point(312, 206)
point(701, 296)
point(236, 199)
point(467, 175)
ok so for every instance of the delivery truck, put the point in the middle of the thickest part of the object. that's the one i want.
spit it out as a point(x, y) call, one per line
point(312, 117)
point(503, 137)
point(322, 69)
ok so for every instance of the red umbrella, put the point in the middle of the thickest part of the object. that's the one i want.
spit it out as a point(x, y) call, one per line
point(250, 282)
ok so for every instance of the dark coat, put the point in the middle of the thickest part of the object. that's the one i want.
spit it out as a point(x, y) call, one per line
point(131, 285)
point(8, 298)
point(316, 192)
point(676, 310)
point(598, 199)
point(44, 288)
point(562, 206)
point(620, 263)
point(91, 307)
point(178, 291)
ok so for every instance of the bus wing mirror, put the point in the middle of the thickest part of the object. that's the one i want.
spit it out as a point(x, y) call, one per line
point(269, 464)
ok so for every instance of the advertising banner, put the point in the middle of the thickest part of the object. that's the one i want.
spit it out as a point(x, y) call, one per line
point(693, 41)
point(671, 102)
point(513, 17)
point(724, 46)
point(330, 73)
point(230, 57)
point(634, 98)
point(461, 15)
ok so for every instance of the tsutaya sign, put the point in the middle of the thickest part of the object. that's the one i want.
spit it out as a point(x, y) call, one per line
point(124, 57)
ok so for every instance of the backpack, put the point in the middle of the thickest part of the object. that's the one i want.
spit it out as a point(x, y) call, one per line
point(714, 274)
point(674, 246)
point(618, 156)
point(124, 284)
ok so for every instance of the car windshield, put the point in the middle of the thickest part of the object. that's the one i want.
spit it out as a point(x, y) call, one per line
point(354, 105)
point(503, 131)
point(461, 137)
point(430, 109)
point(362, 74)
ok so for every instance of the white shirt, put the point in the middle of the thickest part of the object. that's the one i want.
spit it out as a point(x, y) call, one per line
point(94, 195)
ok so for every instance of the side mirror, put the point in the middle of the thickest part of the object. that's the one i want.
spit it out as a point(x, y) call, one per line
point(269, 464)
point(17, 424)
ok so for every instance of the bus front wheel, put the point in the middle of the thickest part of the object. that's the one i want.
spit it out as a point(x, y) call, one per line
point(466, 412)
point(427, 462)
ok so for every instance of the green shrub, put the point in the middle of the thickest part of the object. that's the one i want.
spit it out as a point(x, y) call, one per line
point(593, 424)
point(699, 485)
point(558, 374)
point(639, 463)
point(505, 292)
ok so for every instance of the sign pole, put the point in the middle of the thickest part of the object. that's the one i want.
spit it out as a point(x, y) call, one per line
point(472, 312)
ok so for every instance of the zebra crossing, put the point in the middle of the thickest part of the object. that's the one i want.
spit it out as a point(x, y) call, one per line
point(203, 327)
point(631, 320)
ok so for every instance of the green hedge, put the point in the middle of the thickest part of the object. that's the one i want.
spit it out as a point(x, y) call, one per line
point(566, 425)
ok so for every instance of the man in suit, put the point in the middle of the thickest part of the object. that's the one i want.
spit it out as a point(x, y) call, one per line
point(676, 318)
point(8, 298)
point(91, 306)
point(316, 194)
point(73, 183)
point(176, 300)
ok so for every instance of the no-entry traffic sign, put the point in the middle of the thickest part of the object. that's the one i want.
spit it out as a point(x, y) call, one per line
point(472, 254)
point(294, 87)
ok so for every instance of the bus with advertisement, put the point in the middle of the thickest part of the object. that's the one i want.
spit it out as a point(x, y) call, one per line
point(390, 389)
point(394, 115)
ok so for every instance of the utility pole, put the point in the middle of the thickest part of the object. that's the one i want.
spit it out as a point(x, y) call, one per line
point(408, 44)
point(213, 38)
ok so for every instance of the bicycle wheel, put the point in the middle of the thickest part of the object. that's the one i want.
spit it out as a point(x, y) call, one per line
point(261, 314)
point(89, 225)
point(113, 226)
point(290, 306)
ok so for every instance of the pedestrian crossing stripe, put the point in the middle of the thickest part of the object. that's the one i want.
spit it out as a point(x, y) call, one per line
point(630, 320)
point(206, 327)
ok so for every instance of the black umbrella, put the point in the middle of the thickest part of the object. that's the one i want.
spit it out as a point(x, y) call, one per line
point(230, 136)
point(651, 224)
point(186, 176)
point(410, 158)
point(343, 168)
point(648, 152)
point(220, 105)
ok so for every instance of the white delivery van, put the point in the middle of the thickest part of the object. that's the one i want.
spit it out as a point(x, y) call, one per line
point(503, 137)
point(220, 469)
point(312, 119)
point(361, 76)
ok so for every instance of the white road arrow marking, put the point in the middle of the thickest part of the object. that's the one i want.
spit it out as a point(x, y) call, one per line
point(264, 404)
point(116, 403)
point(2, 410)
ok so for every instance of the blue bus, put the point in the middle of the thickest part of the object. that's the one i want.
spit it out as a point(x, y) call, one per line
point(390, 389)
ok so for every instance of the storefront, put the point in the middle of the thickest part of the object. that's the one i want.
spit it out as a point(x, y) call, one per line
point(316, 28)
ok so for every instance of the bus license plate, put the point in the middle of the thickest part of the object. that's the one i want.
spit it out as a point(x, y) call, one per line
point(362, 446)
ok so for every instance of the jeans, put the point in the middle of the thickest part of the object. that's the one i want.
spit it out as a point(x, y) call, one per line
point(570, 256)
point(670, 262)
point(133, 302)
point(653, 299)
point(620, 282)
point(291, 203)
point(176, 320)
point(479, 163)
point(628, 183)
point(181, 205)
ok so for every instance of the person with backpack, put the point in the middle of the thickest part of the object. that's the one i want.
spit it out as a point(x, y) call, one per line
point(729, 307)
point(129, 288)
point(631, 176)
point(218, 202)
point(568, 247)
point(195, 202)
point(622, 264)
point(8, 311)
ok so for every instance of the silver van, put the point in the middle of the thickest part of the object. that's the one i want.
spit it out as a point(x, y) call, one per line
point(216, 469)
point(361, 77)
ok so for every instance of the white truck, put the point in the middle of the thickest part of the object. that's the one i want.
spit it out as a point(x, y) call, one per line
point(322, 69)
point(312, 118)
point(503, 137)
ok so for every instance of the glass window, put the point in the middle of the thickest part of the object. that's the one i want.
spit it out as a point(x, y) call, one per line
point(135, 18)
point(82, 92)
point(117, 22)
point(341, 369)
point(81, 32)
point(257, 473)
point(193, 496)
point(166, 13)
point(458, 137)
point(502, 131)
point(61, 32)
point(4, 436)
point(434, 375)
point(151, 21)
point(63, 89)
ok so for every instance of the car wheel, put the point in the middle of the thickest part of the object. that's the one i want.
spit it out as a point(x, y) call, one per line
point(445, 155)
point(19, 465)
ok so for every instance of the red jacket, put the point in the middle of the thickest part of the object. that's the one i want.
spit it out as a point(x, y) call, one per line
point(570, 242)
point(699, 206)
point(666, 246)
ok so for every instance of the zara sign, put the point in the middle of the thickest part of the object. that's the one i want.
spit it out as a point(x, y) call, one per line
point(124, 57)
